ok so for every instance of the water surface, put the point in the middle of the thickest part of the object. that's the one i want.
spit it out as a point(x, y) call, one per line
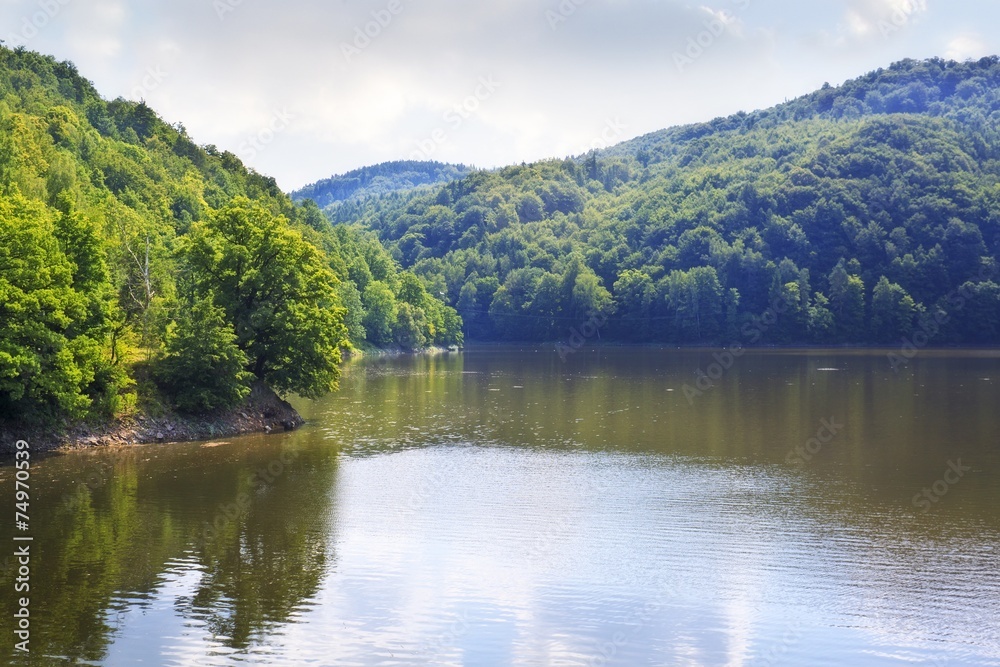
point(502, 506)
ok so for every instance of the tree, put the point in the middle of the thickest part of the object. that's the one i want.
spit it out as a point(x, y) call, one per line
point(204, 369)
point(635, 295)
point(820, 319)
point(410, 325)
point(696, 299)
point(978, 320)
point(276, 291)
point(381, 311)
point(51, 332)
point(590, 298)
point(354, 318)
point(965, 247)
point(474, 305)
point(893, 312)
point(847, 303)
point(411, 290)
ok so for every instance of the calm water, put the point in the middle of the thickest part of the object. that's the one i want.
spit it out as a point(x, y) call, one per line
point(501, 507)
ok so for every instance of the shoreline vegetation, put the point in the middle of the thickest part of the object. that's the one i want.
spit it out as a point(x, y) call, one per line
point(143, 276)
point(264, 412)
point(261, 412)
point(861, 213)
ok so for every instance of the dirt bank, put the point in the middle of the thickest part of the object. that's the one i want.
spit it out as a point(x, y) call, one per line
point(262, 412)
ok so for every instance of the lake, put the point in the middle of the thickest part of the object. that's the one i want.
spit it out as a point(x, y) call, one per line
point(507, 506)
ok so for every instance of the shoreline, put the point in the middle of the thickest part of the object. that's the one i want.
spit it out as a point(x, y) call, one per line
point(791, 347)
point(265, 412)
point(360, 353)
point(262, 412)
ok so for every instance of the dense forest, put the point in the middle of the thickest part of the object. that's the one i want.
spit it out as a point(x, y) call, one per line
point(379, 180)
point(863, 213)
point(141, 271)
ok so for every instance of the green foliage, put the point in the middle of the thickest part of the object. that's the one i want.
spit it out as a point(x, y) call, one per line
point(692, 234)
point(96, 199)
point(893, 311)
point(51, 360)
point(410, 327)
point(380, 313)
point(695, 299)
point(380, 180)
point(204, 369)
point(278, 292)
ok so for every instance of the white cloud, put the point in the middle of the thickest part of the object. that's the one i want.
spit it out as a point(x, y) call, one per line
point(965, 47)
point(867, 19)
point(96, 28)
point(858, 25)
point(731, 22)
point(607, 60)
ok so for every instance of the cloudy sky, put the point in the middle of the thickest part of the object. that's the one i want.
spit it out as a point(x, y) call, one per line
point(302, 89)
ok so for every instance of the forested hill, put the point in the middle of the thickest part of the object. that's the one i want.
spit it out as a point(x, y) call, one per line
point(381, 179)
point(137, 267)
point(863, 213)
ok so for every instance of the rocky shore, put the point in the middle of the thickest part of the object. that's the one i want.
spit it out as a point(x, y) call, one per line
point(262, 412)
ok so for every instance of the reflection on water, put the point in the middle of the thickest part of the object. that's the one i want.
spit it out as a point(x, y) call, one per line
point(503, 507)
point(148, 551)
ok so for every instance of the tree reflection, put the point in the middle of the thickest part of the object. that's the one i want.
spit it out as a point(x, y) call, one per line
point(263, 570)
point(107, 537)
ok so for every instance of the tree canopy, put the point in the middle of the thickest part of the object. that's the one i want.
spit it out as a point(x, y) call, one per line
point(864, 207)
point(276, 289)
point(379, 180)
point(115, 227)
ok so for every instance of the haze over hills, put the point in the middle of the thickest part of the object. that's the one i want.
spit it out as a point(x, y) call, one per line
point(380, 179)
point(865, 213)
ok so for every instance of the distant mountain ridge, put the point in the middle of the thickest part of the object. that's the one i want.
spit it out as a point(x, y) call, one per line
point(868, 212)
point(381, 179)
point(935, 87)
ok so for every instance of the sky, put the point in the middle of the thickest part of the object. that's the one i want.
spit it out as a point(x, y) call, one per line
point(304, 89)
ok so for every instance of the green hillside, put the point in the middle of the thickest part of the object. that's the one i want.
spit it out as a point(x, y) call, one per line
point(138, 266)
point(379, 180)
point(863, 213)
